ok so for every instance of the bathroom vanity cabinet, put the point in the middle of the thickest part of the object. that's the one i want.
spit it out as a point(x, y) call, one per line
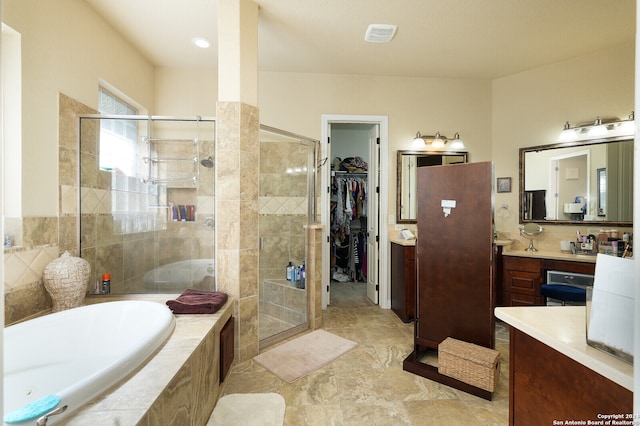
point(522, 276)
point(555, 376)
point(403, 279)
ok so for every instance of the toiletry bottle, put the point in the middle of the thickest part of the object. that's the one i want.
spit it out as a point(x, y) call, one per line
point(106, 283)
point(303, 276)
point(289, 268)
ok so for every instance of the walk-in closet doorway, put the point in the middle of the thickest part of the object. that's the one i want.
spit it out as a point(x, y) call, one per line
point(354, 204)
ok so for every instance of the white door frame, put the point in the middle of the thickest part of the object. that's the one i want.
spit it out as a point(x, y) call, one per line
point(383, 121)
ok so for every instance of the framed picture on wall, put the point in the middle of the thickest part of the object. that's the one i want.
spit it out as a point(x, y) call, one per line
point(504, 184)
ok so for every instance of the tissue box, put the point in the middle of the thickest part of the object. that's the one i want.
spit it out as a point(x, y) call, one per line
point(469, 363)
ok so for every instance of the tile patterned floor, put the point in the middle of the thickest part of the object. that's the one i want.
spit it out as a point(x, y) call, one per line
point(367, 385)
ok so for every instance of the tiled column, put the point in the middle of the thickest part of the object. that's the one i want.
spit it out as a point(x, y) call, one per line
point(237, 168)
point(314, 276)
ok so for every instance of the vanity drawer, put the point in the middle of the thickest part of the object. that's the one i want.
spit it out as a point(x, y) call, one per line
point(522, 282)
point(522, 264)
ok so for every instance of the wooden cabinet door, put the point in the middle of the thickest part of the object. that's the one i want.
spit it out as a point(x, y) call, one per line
point(455, 294)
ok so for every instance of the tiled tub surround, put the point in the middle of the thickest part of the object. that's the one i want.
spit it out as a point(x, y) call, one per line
point(38, 240)
point(180, 385)
point(24, 292)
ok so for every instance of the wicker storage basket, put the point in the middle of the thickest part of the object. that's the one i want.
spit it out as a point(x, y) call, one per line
point(469, 363)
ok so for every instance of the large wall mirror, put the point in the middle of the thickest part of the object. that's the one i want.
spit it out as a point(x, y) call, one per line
point(577, 183)
point(406, 188)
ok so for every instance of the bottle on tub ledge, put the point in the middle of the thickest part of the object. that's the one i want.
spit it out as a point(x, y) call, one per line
point(106, 283)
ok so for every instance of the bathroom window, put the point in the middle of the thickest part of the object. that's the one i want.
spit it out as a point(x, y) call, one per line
point(118, 146)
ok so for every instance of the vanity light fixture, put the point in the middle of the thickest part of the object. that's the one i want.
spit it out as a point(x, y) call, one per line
point(437, 141)
point(599, 129)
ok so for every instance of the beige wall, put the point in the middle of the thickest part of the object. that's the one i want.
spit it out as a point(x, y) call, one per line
point(67, 48)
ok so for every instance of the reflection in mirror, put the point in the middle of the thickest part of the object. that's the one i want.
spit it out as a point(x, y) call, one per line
point(570, 183)
point(408, 163)
point(602, 192)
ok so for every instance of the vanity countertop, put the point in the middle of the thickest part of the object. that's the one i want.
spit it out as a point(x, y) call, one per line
point(556, 255)
point(563, 328)
point(411, 242)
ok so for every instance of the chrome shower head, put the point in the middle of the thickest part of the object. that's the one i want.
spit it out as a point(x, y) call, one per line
point(207, 162)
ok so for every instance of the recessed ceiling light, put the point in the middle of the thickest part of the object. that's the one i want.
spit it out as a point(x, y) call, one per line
point(201, 42)
point(380, 33)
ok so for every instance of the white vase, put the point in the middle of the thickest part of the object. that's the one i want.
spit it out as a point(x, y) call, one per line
point(66, 280)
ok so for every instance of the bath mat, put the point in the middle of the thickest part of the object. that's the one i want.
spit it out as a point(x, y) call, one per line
point(299, 357)
point(248, 409)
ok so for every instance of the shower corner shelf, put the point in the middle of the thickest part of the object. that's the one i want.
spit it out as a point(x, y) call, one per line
point(152, 159)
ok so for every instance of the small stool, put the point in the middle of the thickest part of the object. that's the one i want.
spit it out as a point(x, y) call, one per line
point(564, 293)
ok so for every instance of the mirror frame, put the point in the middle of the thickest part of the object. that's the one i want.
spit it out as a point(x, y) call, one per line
point(521, 166)
point(399, 155)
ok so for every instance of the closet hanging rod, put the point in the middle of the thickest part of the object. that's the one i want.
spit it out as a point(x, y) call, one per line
point(193, 179)
point(168, 159)
point(344, 173)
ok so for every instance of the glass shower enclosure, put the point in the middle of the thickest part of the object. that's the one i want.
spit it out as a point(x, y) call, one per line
point(146, 202)
point(147, 210)
point(287, 204)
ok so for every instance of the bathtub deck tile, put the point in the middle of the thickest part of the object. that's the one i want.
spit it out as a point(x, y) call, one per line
point(161, 382)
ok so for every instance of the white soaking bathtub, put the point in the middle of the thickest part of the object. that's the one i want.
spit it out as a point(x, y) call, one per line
point(75, 355)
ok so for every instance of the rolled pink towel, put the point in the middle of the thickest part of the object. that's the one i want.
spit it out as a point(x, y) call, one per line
point(198, 302)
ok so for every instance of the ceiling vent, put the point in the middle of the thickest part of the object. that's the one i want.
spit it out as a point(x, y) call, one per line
point(380, 33)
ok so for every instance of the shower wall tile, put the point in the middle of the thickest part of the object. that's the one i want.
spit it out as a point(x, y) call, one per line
point(68, 235)
point(250, 175)
point(90, 134)
point(228, 175)
point(248, 326)
point(68, 166)
point(109, 260)
point(228, 271)
point(248, 272)
point(38, 231)
point(249, 231)
point(89, 175)
point(88, 231)
point(206, 205)
point(228, 224)
point(67, 128)
point(283, 205)
point(68, 200)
